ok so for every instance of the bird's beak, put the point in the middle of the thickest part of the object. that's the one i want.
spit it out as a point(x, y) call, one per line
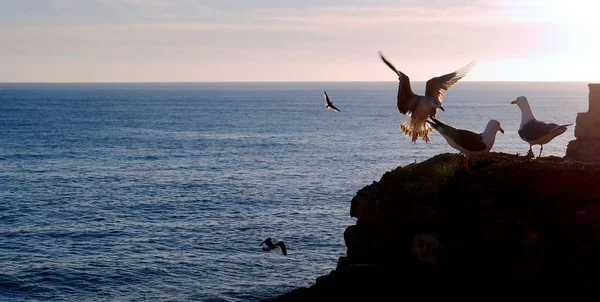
point(442, 108)
point(513, 102)
point(501, 130)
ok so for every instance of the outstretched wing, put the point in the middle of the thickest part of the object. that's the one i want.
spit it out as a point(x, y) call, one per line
point(407, 101)
point(389, 64)
point(327, 101)
point(438, 86)
point(267, 242)
point(282, 247)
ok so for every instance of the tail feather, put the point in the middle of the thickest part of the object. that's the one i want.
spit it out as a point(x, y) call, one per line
point(432, 124)
point(416, 130)
point(437, 122)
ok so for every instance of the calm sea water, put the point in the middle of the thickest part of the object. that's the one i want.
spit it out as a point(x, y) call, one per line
point(163, 192)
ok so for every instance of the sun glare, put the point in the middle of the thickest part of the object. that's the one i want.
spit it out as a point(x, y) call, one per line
point(574, 12)
point(574, 49)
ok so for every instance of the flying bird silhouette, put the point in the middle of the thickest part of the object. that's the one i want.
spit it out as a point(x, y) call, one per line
point(419, 107)
point(269, 245)
point(328, 104)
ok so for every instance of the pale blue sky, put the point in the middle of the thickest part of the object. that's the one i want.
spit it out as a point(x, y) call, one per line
point(284, 40)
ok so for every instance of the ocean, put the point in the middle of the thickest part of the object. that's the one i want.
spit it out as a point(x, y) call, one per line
point(164, 191)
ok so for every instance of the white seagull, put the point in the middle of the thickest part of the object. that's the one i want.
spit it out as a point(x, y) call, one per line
point(533, 131)
point(419, 107)
point(467, 142)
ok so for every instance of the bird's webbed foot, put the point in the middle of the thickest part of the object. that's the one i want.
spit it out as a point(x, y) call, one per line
point(530, 154)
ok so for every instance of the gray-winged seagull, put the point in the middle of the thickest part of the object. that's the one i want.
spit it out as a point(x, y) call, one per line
point(419, 107)
point(270, 246)
point(328, 104)
point(467, 142)
point(533, 131)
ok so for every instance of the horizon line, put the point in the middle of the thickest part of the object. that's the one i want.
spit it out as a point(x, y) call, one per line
point(267, 82)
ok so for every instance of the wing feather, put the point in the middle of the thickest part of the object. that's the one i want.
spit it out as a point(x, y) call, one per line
point(536, 129)
point(327, 101)
point(438, 86)
point(407, 101)
point(470, 140)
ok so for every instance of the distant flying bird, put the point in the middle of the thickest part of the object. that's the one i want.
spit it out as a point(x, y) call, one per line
point(328, 104)
point(419, 107)
point(270, 246)
point(467, 142)
point(533, 131)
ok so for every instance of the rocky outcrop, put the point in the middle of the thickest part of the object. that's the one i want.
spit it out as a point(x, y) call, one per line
point(586, 145)
point(510, 224)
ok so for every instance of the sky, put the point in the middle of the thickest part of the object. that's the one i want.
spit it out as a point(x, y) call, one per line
point(292, 40)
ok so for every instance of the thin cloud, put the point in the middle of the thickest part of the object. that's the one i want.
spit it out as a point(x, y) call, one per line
point(220, 41)
point(140, 3)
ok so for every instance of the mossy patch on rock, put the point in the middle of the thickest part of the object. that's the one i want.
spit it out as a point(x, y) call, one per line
point(427, 177)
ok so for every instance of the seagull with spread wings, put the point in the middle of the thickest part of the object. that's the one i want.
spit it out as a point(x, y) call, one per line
point(269, 245)
point(419, 107)
point(328, 103)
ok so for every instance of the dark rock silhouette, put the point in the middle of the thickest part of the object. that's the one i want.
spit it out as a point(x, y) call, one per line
point(510, 225)
point(586, 145)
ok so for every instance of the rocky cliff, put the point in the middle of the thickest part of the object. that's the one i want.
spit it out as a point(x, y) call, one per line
point(586, 145)
point(509, 224)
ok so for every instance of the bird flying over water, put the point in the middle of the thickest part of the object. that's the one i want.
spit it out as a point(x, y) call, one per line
point(467, 142)
point(269, 245)
point(328, 104)
point(533, 131)
point(419, 107)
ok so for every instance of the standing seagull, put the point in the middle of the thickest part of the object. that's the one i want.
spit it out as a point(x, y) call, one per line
point(467, 142)
point(533, 131)
point(270, 246)
point(419, 107)
point(328, 104)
